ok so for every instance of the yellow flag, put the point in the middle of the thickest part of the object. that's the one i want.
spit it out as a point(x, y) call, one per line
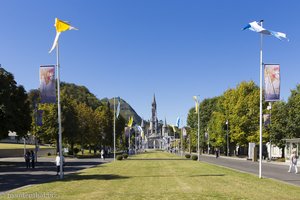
point(130, 122)
point(143, 135)
point(196, 104)
point(174, 129)
point(60, 26)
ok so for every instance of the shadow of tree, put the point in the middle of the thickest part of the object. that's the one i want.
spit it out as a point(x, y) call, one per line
point(143, 159)
point(14, 174)
point(170, 176)
point(93, 177)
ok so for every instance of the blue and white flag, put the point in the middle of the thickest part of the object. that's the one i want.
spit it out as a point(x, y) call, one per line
point(256, 27)
point(118, 107)
point(178, 122)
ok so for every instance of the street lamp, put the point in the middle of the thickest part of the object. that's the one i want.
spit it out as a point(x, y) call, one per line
point(227, 139)
point(269, 107)
point(207, 138)
point(198, 111)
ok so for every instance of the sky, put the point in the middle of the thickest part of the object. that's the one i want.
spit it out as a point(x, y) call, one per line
point(175, 49)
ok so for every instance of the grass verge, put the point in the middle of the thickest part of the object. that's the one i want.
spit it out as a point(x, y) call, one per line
point(159, 175)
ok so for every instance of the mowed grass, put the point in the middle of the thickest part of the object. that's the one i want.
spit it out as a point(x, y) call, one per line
point(19, 146)
point(160, 175)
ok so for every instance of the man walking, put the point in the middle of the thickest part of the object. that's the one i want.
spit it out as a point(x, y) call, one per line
point(293, 162)
point(57, 161)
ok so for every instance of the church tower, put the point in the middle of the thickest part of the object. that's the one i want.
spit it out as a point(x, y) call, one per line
point(165, 129)
point(154, 120)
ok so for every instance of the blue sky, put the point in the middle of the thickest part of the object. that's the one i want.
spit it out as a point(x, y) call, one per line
point(135, 48)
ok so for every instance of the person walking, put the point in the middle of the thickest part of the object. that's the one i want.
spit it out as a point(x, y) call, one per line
point(57, 161)
point(32, 157)
point(293, 162)
point(27, 159)
point(102, 154)
point(217, 152)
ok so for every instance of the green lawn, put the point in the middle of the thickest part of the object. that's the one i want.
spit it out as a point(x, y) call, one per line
point(19, 146)
point(158, 176)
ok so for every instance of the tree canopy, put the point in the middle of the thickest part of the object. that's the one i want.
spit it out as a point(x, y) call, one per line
point(14, 106)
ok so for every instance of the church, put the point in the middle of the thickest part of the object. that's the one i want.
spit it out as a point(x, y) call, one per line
point(157, 132)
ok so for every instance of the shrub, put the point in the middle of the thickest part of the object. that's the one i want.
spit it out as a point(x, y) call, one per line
point(194, 157)
point(76, 150)
point(188, 156)
point(49, 154)
point(119, 157)
point(125, 155)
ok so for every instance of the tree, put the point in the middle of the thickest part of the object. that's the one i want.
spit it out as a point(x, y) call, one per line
point(14, 106)
point(278, 126)
point(293, 115)
point(240, 107)
point(70, 122)
point(86, 126)
point(206, 109)
point(49, 129)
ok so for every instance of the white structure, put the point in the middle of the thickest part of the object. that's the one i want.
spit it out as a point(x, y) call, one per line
point(273, 151)
point(291, 144)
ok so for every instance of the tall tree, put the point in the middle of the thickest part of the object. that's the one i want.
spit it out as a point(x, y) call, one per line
point(14, 106)
point(278, 126)
point(293, 108)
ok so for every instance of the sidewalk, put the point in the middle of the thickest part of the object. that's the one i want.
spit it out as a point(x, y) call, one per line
point(13, 172)
point(273, 170)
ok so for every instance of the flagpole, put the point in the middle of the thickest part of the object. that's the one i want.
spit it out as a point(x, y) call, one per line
point(260, 104)
point(59, 112)
point(181, 143)
point(114, 129)
point(198, 130)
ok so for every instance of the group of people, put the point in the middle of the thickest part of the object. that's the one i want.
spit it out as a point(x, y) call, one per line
point(29, 159)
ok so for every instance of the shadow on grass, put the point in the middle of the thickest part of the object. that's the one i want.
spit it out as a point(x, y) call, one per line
point(169, 176)
point(94, 177)
point(156, 159)
point(14, 174)
point(207, 175)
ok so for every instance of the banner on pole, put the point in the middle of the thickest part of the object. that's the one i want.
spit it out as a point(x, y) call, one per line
point(47, 84)
point(267, 119)
point(39, 117)
point(272, 82)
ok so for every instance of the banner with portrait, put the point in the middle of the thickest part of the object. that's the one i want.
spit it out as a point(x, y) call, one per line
point(47, 84)
point(39, 117)
point(267, 119)
point(272, 82)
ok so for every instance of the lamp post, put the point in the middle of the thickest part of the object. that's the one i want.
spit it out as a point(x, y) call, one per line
point(227, 139)
point(198, 134)
point(207, 138)
point(270, 109)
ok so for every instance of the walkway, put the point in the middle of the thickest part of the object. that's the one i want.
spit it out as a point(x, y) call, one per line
point(274, 170)
point(13, 173)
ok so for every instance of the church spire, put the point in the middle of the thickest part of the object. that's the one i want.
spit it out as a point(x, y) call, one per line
point(154, 101)
point(154, 120)
point(142, 124)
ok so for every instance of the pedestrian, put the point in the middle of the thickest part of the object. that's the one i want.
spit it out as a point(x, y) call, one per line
point(217, 152)
point(293, 162)
point(27, 159)
point(32, 157)
point(57, 160)
point(102, 154)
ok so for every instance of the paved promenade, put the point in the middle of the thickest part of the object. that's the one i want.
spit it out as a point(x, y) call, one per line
point(274, 170)
point(13, 172)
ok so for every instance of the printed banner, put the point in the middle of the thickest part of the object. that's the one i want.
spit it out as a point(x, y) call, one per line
point(267, 119)
point(272, 82)
point(39, 117)
point(47, 84)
